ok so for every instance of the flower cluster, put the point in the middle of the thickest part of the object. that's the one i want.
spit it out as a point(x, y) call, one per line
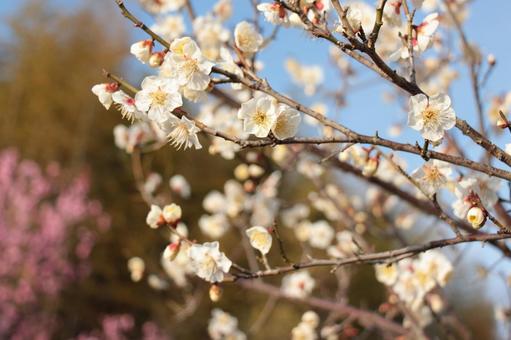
point(412, 280)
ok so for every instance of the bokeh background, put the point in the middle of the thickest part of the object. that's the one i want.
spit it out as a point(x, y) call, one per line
point(52, 52)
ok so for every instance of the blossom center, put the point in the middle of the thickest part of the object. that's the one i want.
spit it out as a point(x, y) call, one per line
point(259, 238)
point(210, 264)
point(260, 118)
point(158, 97)
point(429, 115)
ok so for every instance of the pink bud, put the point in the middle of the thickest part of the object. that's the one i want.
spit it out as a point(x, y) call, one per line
point(156, 59)
point(171, 251)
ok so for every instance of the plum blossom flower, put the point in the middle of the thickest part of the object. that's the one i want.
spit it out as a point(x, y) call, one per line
point(432, 175)
point(360, 15)
point(186, 64)
point(345, 245)
point(247, 39)
point(392, 12)
point(169, 27)
point(171, 251)
point(227, 63)
point(158, 97)
point(306, 329)
point(287, 122)
point(172, 213)
point(126, 105)
point(152, 182)
point(180, 185)
point(105, 92)
point(214, 226)
point(259, 115)
point(211, 35)
point(485, 189)
point(431, 117)
point(222, 326)
point(386, 273)
point(298, 285)
point(307, 76)
point(162, 6)
point(260, 239)
point(321, 234)
point(208, 262)
point(476, 217)
point(154, 217)
point(432, 268)
point(142, 50)
point(421, 38)
point(136, 267)
point(223, 9)
point(274, 13)
point(182, 132)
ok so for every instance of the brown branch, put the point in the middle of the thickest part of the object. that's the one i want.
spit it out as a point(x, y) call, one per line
point(366, 318)
point(388, 256)
point(373, 37)
point(127, 14)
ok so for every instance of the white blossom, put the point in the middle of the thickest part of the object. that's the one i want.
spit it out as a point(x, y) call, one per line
point(476, 217)
point(431, 116)
point(136, 266)
point(169, 27)
point(182, 132)
point(180, 185)
point(274, 13)
point(247, 39)
point(307, 76)
point(287, 123)
point(258, 115)
point(155, 217)
point(259, 238)
point(172, 213)
point(127, 106)
point(432, 175)
point(214, 226)
point(105, 92)
point(142, 50)
point(298, 285)
point(158, 97)
point(223, 326)
point(186, 64)
point(321, 234)
point(208, 262)
point(162, 6)
point(386, 273)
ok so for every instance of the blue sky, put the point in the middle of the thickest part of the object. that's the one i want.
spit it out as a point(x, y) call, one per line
point(366, 112)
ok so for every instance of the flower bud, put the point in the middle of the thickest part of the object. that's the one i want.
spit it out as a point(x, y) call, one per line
point(370, 167)
point(215, 293)
point(477, 217)
point(172, 213)
point(255, 170)
point(136, 266)
point(491, 60)
point(354, 18)
point(156, 59)
point(171, 251)
point(154, 217)
point(241, 172)
point(142, 50)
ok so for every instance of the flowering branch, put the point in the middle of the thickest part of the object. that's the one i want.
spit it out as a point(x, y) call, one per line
point(389, 256)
